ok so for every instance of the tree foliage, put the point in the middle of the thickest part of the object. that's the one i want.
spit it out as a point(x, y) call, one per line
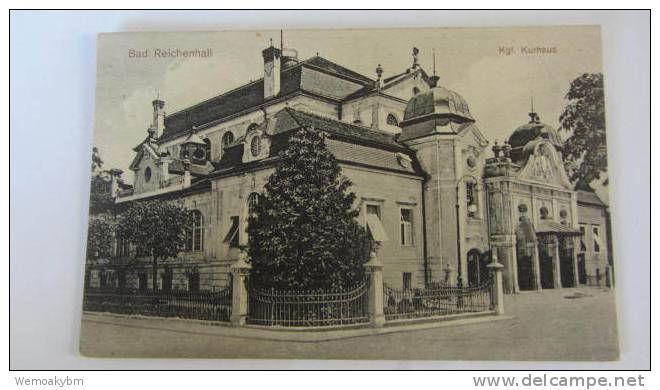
point(100, 237)
point(585, 150)
point(157, 229)
point(97, 162)
point(303, 233)
point(100, 195)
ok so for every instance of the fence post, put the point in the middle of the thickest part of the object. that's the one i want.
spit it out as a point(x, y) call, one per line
point(239, 296)
point(608, 276)
point(497, 293)
point(375, 270)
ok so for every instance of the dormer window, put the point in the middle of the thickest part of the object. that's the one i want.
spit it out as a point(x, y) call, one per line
point(391, 120)
point(207, 148)
point(255, 146)
point(227, 139)
point(147, 174)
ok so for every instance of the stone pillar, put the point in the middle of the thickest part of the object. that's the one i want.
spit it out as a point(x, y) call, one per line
point(239, 297)
point(375, 270)
point(576, 271)
point(497, 292)
point(553, 247)
point(536, 265)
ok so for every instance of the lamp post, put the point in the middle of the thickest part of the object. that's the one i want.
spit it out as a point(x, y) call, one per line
point(472, 208)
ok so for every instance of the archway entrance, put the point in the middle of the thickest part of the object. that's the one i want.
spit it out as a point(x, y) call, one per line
point(477, 267)
point(566, 261)
point(525, 246)
point(545, 263)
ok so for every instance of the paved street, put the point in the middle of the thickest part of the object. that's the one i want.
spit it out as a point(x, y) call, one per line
point(553, 325)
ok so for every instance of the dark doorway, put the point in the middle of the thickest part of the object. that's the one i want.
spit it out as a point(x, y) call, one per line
point(525, 247)
point(121, 279)
point(545, 263)
point(525, 272)
point(142, 282)
point(582, 268)
point(167, 280)
point(477, 267)
point(193, 281)
point(566, 268)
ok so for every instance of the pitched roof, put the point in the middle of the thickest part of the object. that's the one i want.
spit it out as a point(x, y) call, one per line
point(292, 80)
point(347, 142)
point(590, 198)
point(347, 130)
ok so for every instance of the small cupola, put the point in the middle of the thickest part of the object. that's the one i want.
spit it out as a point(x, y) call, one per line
point(437, 110)
point(523, 138)
point(194, 148)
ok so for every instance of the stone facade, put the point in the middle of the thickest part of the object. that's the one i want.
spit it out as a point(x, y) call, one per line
point(416, 158)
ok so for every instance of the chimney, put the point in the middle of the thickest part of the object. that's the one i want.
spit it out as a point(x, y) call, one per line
point(272, 68)
point(115, 176)
point(433, 81)
point(158, 122)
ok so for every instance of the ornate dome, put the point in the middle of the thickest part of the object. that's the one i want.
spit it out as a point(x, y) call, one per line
point(533, 130)
point(437, 100)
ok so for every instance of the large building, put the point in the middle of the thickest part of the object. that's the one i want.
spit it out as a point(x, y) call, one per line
point(425, 184)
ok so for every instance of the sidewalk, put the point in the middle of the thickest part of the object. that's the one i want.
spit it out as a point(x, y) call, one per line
point(304, 335)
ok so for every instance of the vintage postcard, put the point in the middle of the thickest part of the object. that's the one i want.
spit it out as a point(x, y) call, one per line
point(437, 194)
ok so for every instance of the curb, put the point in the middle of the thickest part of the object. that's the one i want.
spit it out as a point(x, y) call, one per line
point(222, 329)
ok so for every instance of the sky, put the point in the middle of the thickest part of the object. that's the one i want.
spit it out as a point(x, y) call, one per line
point(471, 61)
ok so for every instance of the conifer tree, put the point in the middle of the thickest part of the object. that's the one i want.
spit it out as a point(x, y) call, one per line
point(303, 233)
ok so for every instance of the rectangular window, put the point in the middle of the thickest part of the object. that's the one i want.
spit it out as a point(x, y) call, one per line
point(406, 227)
point(583, 245)
point(232, 235)
point(407, 280)
point(122, 247)
point(472, 205)
point(374, 224)
point(595, 232)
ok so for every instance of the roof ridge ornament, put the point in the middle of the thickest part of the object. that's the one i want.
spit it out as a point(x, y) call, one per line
point(415, 53)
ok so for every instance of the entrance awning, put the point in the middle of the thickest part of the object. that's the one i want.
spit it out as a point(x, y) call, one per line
point(551, 227)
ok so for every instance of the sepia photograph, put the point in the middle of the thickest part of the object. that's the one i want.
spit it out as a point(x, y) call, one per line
point(375, 194)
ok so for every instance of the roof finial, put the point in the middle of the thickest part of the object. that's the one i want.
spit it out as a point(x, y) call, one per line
point(415, 53)
point(434, 61)
point(281, 39)
point(533, 117)
point(271, 42)
point(379, 73)
point(433, 80)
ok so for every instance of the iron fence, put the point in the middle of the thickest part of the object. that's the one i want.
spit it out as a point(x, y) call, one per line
point(437, 300)
point(598, 280)
point(308, 308)
point(201, 305)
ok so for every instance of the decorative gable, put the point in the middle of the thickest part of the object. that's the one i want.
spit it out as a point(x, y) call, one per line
point(544, 166)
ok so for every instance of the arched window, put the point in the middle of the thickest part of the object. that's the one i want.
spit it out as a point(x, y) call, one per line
point(255, 146)
point(195, 234)
point(472, 199)
point(252, 202)
point(207, 149)
point(392, 121)
point(227, 139)
point(147, 174)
